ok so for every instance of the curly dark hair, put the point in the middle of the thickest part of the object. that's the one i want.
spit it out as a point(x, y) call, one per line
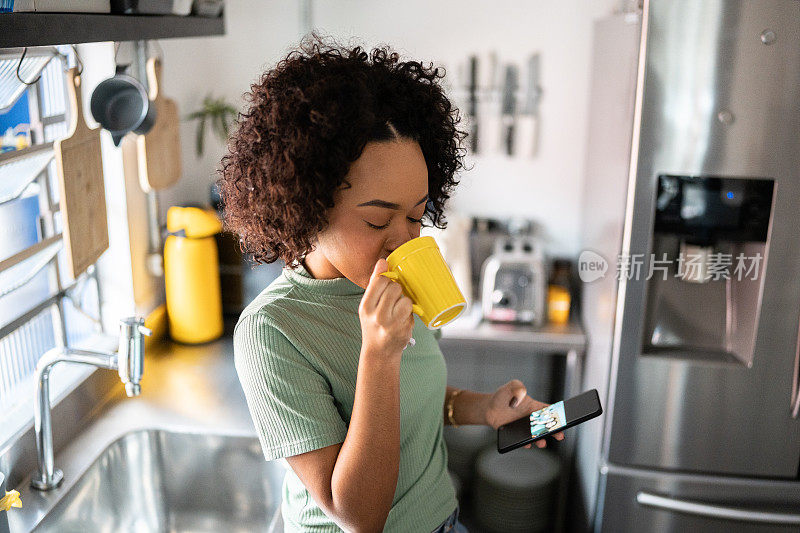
point(309, 118)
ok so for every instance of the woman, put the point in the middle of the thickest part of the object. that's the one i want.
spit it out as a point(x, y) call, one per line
point(339, 159)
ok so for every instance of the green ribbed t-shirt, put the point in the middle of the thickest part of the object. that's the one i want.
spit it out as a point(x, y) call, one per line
point(297, 346)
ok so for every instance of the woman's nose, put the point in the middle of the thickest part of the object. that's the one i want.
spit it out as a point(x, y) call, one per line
point(407, 236)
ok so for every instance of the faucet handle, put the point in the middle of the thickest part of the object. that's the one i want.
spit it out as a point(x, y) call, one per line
point(132, 321)
point(133, 326)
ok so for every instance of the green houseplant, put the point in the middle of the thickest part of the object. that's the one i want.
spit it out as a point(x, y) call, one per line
point(216, 112)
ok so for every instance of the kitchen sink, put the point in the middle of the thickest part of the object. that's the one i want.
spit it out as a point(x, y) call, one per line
point(159, 480)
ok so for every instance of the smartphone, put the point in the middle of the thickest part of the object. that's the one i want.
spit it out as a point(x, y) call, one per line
point(548, 420)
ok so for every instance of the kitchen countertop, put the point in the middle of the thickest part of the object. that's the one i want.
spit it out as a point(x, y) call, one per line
point(558, 337)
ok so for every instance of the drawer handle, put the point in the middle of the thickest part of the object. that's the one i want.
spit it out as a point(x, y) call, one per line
point(715, 511)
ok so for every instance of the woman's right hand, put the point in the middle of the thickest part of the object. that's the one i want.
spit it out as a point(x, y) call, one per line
point(385, 314)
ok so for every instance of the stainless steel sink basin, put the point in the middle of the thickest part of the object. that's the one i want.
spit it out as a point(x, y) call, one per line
point(157, 480)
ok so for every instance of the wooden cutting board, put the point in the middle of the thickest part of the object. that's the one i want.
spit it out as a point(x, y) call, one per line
point(160, 148)
point(79, 166)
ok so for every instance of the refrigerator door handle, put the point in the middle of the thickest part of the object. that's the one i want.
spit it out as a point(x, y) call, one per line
point(715, 511)
point(795, 401)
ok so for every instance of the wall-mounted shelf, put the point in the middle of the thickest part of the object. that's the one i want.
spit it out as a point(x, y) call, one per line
point(41, 29)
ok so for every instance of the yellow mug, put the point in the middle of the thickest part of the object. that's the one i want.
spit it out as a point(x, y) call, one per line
point(420, 269)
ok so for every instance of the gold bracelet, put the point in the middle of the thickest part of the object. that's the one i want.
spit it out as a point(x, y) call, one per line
point(450, 407)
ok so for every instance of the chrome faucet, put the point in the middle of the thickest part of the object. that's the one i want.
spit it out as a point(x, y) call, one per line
point(128, 361)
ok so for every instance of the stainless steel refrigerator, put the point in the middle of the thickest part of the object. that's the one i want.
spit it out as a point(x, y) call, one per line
point(692, 198)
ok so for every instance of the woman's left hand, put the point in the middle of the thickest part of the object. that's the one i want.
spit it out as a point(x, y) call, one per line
point(511, 402)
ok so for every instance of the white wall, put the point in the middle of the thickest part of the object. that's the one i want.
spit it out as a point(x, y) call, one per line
point(257, 34)
point(546, 188)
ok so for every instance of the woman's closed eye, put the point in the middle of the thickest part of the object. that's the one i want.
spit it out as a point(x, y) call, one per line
point(415, 220)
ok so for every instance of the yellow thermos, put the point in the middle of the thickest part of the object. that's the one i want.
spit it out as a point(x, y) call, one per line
point(191, 275)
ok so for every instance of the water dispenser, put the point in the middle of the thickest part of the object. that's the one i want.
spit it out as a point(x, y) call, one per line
point(710, 242)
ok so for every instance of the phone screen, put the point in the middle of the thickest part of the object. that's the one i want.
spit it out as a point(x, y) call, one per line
point(548, 420)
